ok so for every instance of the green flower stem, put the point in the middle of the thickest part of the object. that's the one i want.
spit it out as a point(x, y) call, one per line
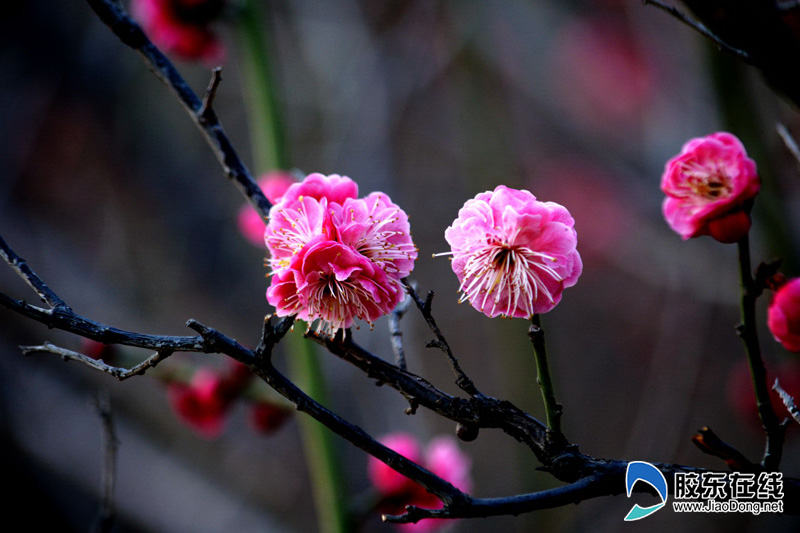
point(266, 126)
point(318, 441)
point(269, 153)
point(552, 408)
point(748, 332)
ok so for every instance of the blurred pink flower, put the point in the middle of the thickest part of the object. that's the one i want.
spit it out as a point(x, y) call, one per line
point(601, 75)
point(266, 417)
point(335, 257)
point(783, 315)
point(442, 457)
point(204, 402)
point(251, 224)
point(181, 27)
point(513, 254)
point(329, 281)
point(707, 186)
point(200, 404)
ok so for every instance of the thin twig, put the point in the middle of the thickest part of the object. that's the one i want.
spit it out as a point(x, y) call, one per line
point(700, 28)
point(107, 515)
point(462, 380)
point(787, 400)
point(789, 141)
point(120, 373)
point(710, 443)
point(207, 107)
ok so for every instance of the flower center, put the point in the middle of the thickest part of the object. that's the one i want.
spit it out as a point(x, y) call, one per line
point(336, 303)
point(514, 276)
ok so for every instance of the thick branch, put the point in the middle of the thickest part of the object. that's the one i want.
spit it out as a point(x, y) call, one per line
point(203, 116)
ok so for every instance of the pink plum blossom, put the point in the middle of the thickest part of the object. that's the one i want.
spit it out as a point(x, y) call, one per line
point(182, 27)
point(783, 315)
point(335, 257)
point(513, 254)
point(250, 223)
point(379, 230)
point(335, 188)
point(442, 457)
point(330, 281)
point(708, 186)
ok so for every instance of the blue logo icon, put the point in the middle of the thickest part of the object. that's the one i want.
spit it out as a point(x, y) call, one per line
point(641, 471)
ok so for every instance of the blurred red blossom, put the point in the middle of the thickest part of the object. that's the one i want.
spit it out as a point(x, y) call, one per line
point(707, 186)
point(182, 27)
point(743, 399)
point(251, 224)
point(599, 74)
point(204, 402)
point(266, 417)
point(783, 315)
point(442, 457)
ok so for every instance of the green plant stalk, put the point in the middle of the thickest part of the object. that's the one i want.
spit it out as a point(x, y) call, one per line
point(552, 408)
point(749, 335)
point(266, 124)
point(318, 442)
point(270, 152)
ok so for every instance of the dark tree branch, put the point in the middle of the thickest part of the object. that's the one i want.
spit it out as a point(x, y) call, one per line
point(700, 28)
point(132, 35)
point(22, 269)
point(747, 331)
point(710, 443)
point(462, 380)
point(396, 334)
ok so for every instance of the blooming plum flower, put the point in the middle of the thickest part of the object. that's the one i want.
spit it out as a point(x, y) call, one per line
point(379, 230)
point(335, 257)
point(182, 27)
point(251, 224)
point(783, 315)
point(707, 186)
point(331, 281)
point(513, 254)
point(442, 457)
point(335, 188)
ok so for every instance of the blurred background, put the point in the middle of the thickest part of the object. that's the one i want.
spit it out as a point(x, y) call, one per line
point(113, 197)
